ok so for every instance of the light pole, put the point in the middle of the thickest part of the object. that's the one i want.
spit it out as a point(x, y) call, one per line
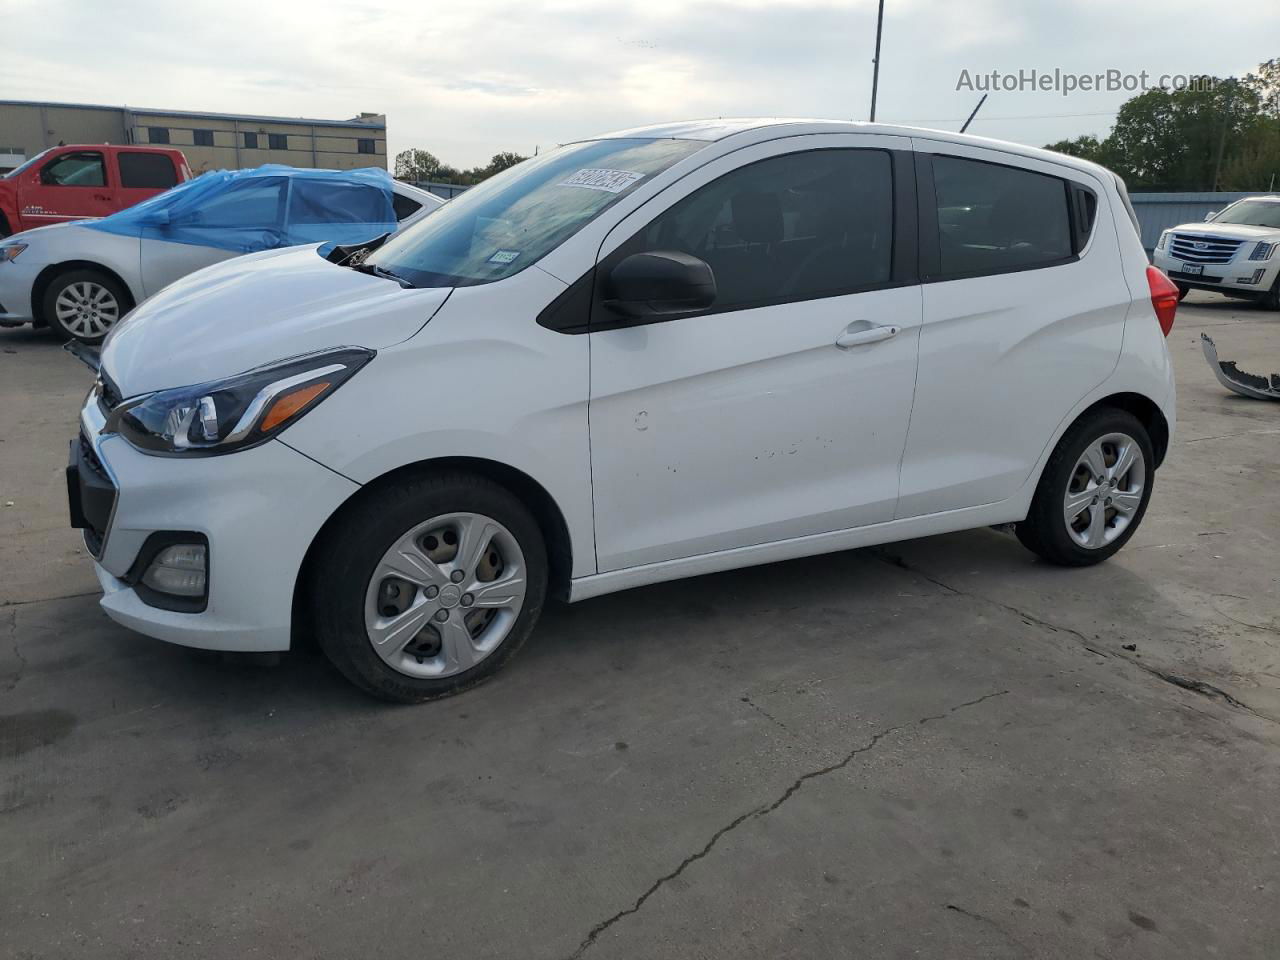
point(875, 74)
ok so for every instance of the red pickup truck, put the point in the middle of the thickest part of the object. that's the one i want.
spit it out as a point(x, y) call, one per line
point(85, 180)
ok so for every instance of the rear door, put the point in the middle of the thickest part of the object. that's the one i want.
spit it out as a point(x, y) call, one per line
point(781, 412)
point(143, 174)
point(1024, 309)
point(69, 186)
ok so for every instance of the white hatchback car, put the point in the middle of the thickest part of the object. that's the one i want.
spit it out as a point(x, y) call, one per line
point(80, 277)
point(644, 356)
point(1236, 251)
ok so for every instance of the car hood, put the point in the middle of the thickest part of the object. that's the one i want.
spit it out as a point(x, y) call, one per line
point(1236, 231)
point(52, 231)
point(252, 310)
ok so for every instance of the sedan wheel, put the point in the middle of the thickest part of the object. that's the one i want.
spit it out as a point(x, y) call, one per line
point(84, 305)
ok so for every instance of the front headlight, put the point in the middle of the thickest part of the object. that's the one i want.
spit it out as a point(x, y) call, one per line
point(1164, 239)
point(10, 251)
point(222, 416)
point(1262, 251)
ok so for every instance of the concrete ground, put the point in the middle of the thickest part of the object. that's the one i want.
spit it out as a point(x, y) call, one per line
point(941, 748)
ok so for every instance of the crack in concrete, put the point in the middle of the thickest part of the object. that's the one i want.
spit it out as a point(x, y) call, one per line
point(763, 811)
point(1201, 687)
point(69, 596)
point(994, 924)
point(764, 713)
point(22, 661)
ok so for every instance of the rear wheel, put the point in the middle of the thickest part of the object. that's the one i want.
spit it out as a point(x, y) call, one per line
point(84, 305)
point(1093, 492)
point(428, 585)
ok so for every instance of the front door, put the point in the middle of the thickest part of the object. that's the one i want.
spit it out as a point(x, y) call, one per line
point(70, 186)
point(782, 411)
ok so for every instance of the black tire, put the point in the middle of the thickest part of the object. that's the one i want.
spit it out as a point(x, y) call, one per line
point(1271, 299)
point(48, 308)
point(1045, 531)
point(355, 543)
point(1183, 290)
point(4, 227)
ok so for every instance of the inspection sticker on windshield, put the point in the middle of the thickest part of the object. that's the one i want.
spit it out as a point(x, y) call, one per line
point(598, 178)
point(504, 256)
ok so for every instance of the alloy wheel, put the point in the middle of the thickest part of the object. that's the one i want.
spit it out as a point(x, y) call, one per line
point(1105, 490)
point(86, 309)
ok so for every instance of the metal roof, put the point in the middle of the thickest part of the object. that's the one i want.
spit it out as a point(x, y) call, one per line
point(253, 118)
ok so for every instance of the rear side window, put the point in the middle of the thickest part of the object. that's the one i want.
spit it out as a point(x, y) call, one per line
point(993, 218)
point(327, 201)
point(150, 170)
point(794, 227)
point(75, 170)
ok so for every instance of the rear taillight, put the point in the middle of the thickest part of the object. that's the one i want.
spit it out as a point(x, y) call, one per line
point(1164, 298)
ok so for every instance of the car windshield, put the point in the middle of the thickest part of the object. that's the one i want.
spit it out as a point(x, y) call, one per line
point(24, 166)
point(1257, 213)
point(514, 219)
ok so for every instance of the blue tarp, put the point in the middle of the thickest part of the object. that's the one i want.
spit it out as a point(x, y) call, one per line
point(264, 208)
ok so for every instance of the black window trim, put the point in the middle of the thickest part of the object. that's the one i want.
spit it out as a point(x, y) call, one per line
point(576, 312)
point(929, 231)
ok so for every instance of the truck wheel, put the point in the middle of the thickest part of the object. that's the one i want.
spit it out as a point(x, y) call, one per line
point(428, 585)
point(1094, 490)
point(4, 226)
point(84, 305)
point(1183, 290)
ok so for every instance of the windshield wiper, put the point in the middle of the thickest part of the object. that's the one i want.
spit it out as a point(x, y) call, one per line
point(376, 271)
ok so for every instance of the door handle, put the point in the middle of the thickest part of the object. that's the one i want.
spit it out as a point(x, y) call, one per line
point(101, 196)
point(861, 332)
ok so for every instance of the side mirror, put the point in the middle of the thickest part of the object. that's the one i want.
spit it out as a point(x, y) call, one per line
point(660, 283)
point(1209, 216)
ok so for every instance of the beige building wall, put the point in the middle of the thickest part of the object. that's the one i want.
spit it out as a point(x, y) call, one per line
point(29, 128)
point(304, 144)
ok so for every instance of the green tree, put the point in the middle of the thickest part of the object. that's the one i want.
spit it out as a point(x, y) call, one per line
point(414, 165)
point(502, 160)
point(1216, 134)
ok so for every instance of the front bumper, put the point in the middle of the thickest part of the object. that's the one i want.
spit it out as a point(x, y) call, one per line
point(16, 283)
point(1239, 276)
point(259, 509)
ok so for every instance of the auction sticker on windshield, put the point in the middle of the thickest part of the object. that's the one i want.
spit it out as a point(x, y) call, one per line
point(599, 178)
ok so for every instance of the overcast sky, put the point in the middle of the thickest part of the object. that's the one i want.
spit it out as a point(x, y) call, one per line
point(492, 75)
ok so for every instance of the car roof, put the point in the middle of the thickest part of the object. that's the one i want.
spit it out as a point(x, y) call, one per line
point(415, 193)
point(768, 128)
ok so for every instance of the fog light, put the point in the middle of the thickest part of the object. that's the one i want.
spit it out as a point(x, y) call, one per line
point(179, 570)
point(1257, 276)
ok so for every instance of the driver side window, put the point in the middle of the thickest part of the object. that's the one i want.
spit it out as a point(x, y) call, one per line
point(793, 227)
point(75, 170)
point(251, 204)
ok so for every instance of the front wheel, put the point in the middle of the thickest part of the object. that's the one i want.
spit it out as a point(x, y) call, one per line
point(426, 586)
point(1094, 491)
point(1271, 299)
point(1183, 290)
point(84, 305)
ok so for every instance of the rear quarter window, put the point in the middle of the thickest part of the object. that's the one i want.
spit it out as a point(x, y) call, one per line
point(147, 170)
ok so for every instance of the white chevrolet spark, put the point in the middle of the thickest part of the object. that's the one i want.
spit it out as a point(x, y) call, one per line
point(644, 356)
